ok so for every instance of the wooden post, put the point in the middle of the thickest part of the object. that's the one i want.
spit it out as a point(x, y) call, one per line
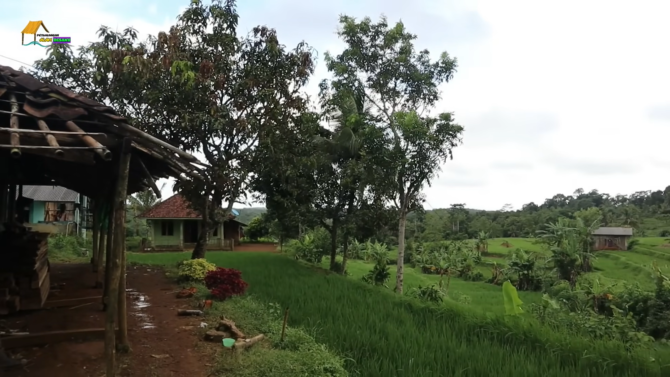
point(102, 237)
point(96, 233)
point(4, 193)
point(11, 204)
point(118, 242)
point(108, 255)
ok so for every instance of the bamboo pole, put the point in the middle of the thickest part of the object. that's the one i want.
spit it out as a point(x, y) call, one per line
point(14, 125)
point(49, 131)
point(96, 234)
point(51, 140)
point(118, 242)
point(142, 135)
point(150, 179)
point(103, 152)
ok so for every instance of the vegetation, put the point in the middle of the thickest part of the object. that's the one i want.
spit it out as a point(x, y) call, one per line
point(345, 181)
point(224, 283)
point(194, 270)
point(372, 339)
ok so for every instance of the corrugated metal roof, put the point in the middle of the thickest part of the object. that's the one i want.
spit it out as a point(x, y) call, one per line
point(49, 194)
point(33, 26)
point(613, 231)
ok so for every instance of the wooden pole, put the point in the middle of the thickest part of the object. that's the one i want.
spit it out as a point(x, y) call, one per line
point(51, 140)
point(11, 204)
point(4, 193)
point(91, 142)
point(118, 242)
point(14, 125)
point(108, 254)
point(102, 255)
point(96, 233)
point(283, 327)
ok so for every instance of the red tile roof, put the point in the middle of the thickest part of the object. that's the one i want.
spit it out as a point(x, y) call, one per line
point(175, 207)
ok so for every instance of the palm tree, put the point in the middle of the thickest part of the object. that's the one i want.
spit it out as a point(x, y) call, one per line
point(142, 202)
point(342, 146)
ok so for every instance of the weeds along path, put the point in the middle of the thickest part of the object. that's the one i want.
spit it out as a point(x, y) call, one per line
point(385, 335)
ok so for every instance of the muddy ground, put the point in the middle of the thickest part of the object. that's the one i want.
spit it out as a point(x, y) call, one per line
point(160, 345)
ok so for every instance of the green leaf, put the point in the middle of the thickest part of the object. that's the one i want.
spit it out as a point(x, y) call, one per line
point(512, 301)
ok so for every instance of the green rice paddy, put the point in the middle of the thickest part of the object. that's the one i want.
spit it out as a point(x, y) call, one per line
point(383, 334)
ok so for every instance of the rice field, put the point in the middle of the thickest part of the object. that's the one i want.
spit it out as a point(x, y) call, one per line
point(382, 334)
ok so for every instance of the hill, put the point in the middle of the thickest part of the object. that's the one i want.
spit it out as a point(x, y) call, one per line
point(248, 214)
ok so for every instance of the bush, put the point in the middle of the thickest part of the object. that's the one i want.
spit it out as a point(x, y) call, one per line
point(64, 248)
point(194, 270)
point(431, 293)
point(224, 283)
point(311, 247)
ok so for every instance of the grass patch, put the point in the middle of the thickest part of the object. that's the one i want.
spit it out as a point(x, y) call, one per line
point(68, 249)
point(298, 355)
point(382, 334)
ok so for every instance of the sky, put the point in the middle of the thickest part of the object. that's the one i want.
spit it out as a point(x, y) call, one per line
point(553, 96)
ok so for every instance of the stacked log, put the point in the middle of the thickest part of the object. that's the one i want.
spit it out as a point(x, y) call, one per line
point(24, 270)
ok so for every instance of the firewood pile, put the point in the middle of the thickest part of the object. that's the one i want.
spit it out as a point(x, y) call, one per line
point(24, 269)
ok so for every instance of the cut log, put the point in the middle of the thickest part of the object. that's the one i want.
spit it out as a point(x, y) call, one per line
point(246, 343)
point(216, 336)
point(229, 326)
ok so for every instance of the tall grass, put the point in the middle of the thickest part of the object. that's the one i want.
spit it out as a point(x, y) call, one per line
point(386, 335)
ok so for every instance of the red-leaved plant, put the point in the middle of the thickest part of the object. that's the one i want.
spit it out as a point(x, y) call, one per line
point(224, 283)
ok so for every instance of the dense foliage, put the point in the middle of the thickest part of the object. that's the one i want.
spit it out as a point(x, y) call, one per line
point(194, 270)
point(224, 283)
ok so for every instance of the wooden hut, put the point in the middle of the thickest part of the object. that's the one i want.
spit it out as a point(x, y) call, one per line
point(52, 136)
point(611, 238)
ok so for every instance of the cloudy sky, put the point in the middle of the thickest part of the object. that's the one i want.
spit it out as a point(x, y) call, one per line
point(552, 97)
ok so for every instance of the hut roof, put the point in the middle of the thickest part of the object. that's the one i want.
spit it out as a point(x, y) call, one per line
point(176, 207)
point(50, 136)
point(613, 231)
point(48, 194)
point(33, 26)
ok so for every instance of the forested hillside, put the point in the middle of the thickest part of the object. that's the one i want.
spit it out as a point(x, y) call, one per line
point(248, 214)
point(646, 211)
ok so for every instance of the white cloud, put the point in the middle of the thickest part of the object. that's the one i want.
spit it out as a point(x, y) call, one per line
point(553, 95)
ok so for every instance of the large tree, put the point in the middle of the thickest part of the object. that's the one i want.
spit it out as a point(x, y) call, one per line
point(401, 85)
point(204, 89)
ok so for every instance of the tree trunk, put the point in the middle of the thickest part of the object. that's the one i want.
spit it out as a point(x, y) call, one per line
point(345, 252)
point(401, 252)
point(333, 245)
point(201, 245)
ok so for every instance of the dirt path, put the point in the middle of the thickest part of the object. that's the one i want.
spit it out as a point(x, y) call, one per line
point(162, 343)
point(160, 346)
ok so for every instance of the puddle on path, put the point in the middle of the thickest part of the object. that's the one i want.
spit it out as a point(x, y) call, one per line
point(139, 302)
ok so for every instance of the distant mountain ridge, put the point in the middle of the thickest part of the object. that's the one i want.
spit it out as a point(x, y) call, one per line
point(248, 214)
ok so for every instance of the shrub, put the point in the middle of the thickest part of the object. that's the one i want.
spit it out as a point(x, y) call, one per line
point(431, 293)
point(632, 244)
point(194, 269)
point(64, 248)
point(224, 283)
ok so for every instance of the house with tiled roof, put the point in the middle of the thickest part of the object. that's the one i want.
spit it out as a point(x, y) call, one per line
point(175, 226)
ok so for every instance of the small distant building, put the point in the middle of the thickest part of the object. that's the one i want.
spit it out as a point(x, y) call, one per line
point(175, 226)
point(611, 238)
point(55, 205)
